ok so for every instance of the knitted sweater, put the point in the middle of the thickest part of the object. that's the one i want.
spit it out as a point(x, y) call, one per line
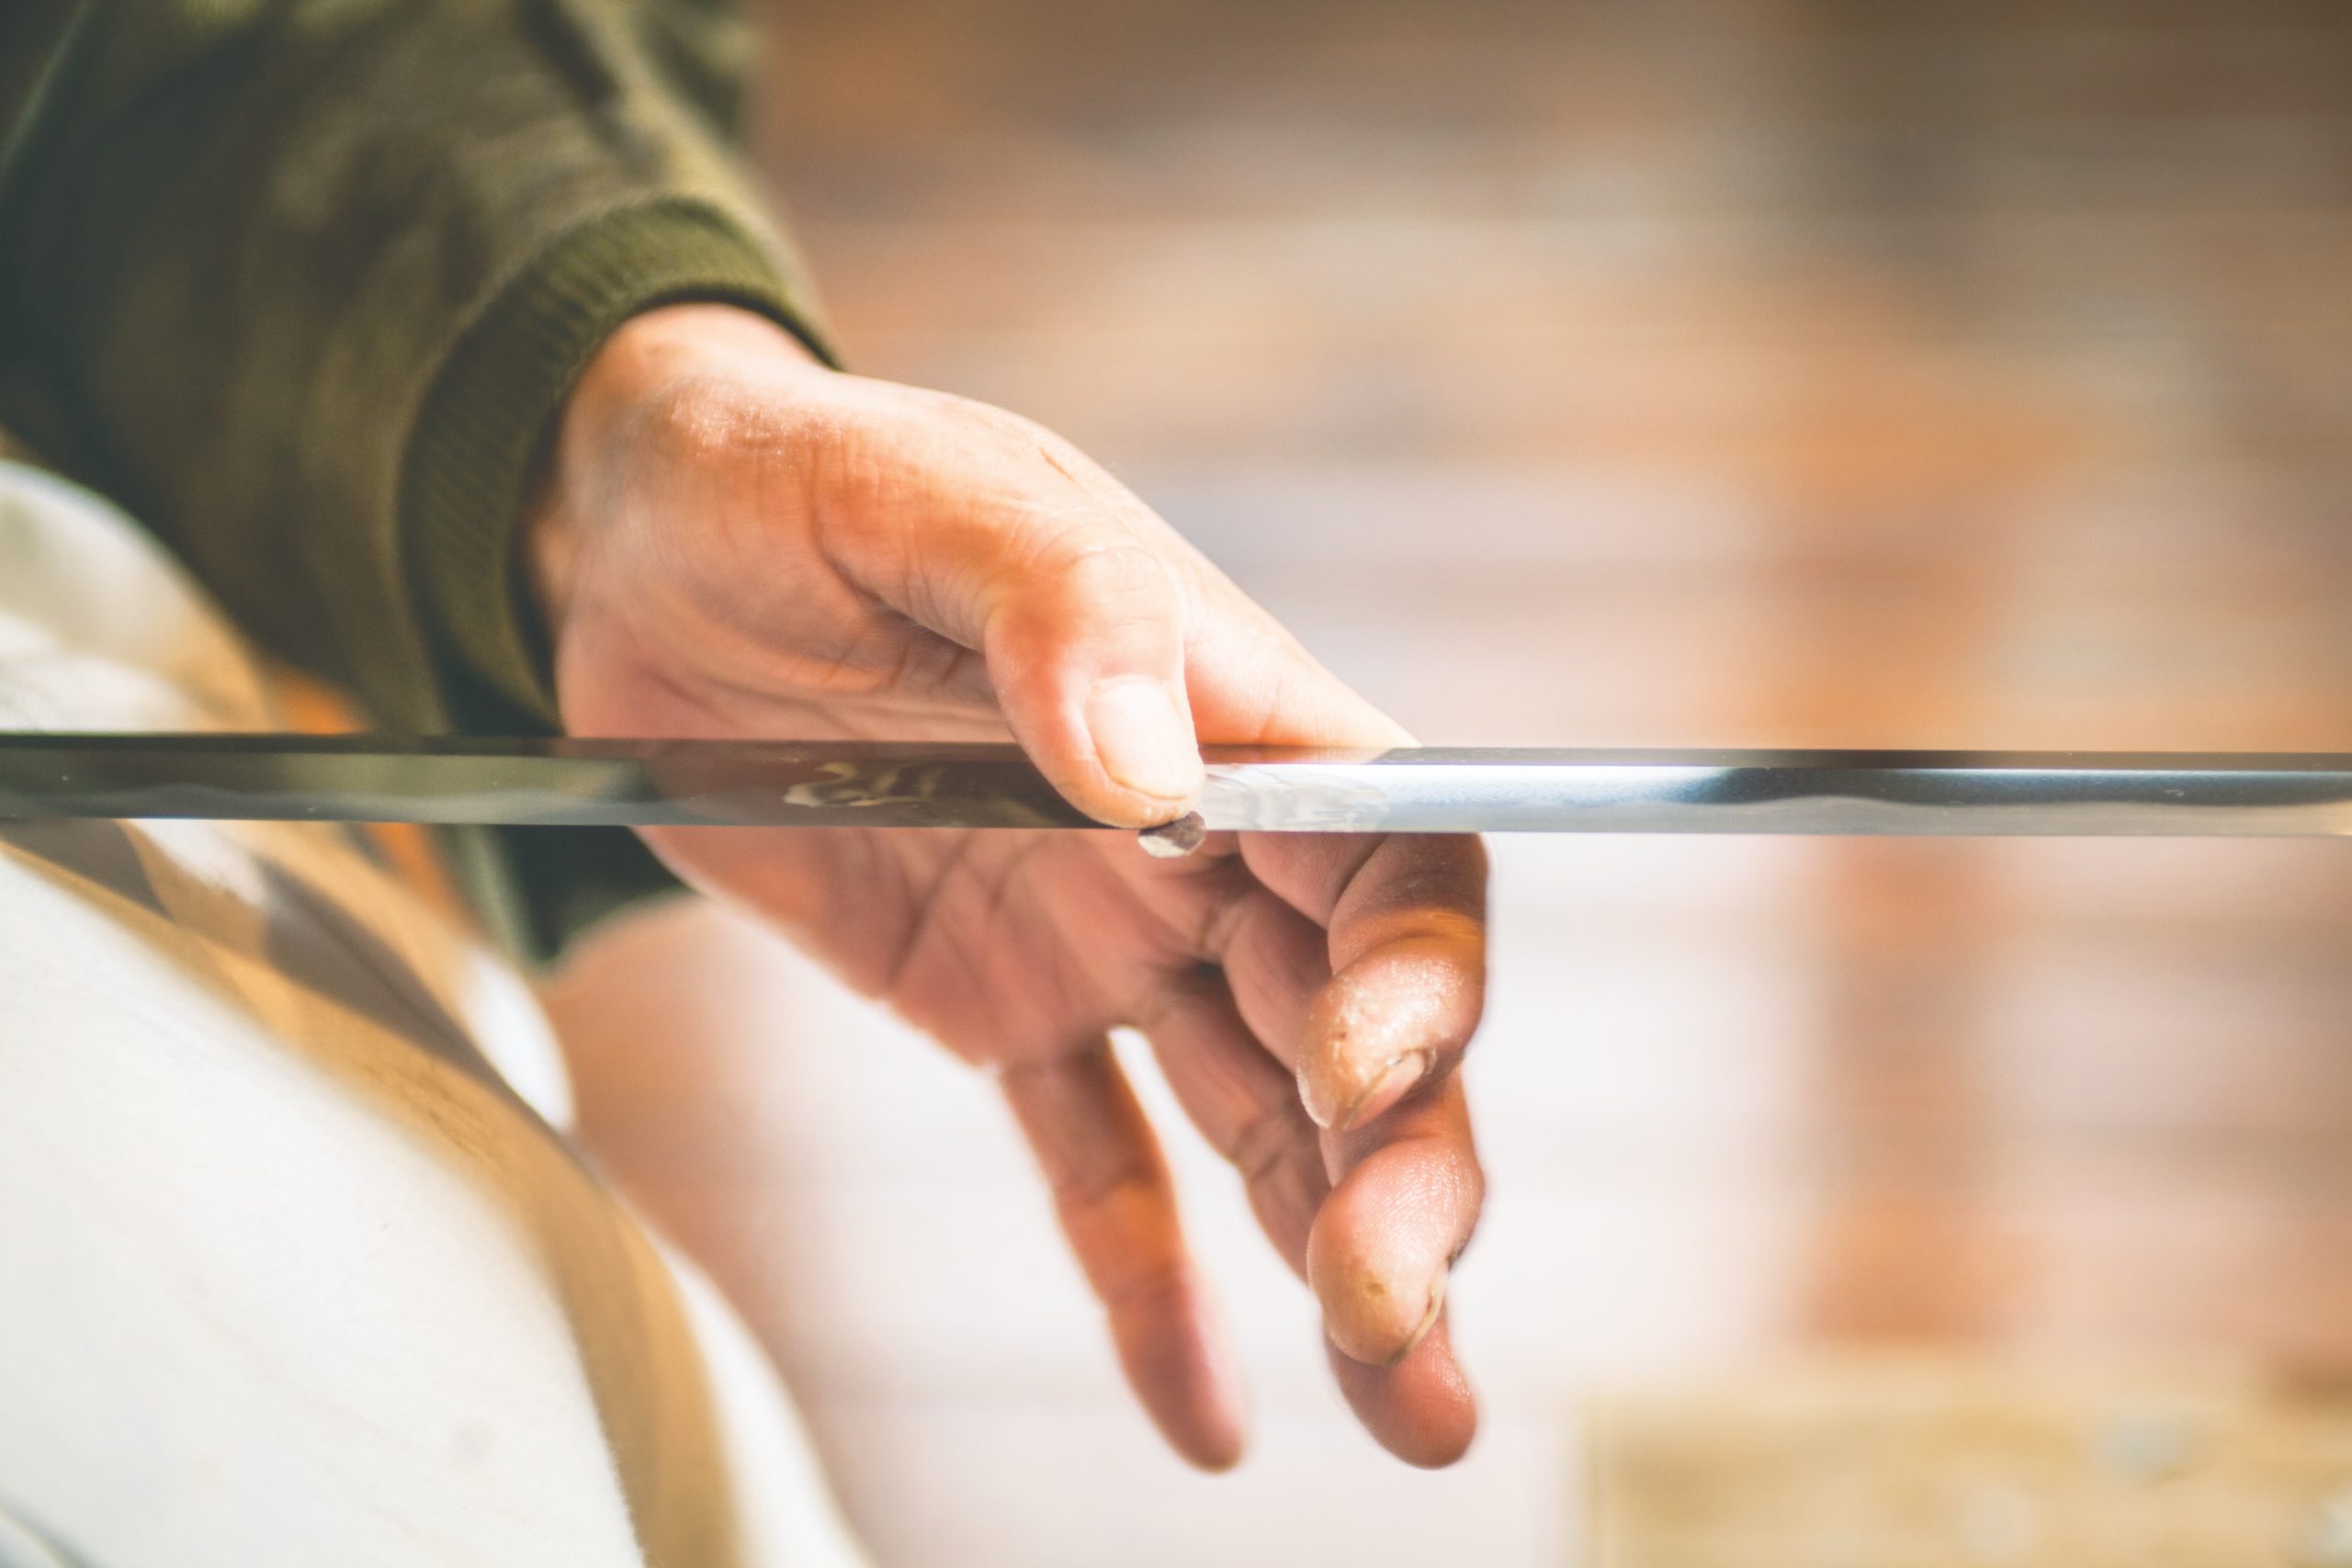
point(301, 284)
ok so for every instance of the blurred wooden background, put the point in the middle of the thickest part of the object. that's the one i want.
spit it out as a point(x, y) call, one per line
point(1699, 372)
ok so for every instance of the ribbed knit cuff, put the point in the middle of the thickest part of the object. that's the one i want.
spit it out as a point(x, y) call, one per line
point(493, 401)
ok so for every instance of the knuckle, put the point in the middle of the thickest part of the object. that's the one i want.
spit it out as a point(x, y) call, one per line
point(1137, 1283)
point(1107, 569)
point(1082, 577)
point(1098, 1206)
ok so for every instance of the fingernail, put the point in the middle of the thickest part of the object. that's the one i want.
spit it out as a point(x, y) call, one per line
point(1174, 840)
point(1393, 1083)
point(1144, 739)
point(1428, 1319)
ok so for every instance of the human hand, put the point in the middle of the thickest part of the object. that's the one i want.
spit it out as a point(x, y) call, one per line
point(735, 541)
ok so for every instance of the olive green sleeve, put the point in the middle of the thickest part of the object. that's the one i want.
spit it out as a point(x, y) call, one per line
point(306, 281)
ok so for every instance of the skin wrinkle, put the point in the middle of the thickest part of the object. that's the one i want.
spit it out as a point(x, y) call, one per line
point(825, 670)
point(988, 593)
point(1024, 950)
point(1054, 461)
point(908, 656)
point(1287, 1218)
point(913, 993)
point(1414, 887)
point(1166, 995)
point(826, 667)
point(712, 648)
point(1085, 1196)
point(965, 953)
point(1044, 1095)
point(1278, 964)
point(1001, 886)
point(1137, 574)
point(927, 914)
point(831, 448)
point(1267, 729)
point(1318, 898)
point(704, 436)
point(1228, 905)
point(679, 691)
point(1219, 1064)
point(1273, 1133)
point(878, 854)
point(1022, 564)
point(1120, 1218)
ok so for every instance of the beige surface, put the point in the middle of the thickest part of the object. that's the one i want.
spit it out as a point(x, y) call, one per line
point(1721, 373)
point(1919, 1464)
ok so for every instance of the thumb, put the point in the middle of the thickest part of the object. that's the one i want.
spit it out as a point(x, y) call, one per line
point(1085, 644)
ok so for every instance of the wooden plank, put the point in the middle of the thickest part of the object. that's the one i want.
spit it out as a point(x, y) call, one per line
point(1927, 1463)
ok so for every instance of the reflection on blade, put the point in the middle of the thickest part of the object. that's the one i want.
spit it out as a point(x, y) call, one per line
point(834, 784)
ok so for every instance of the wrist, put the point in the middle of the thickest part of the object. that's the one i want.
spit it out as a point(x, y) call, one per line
point(593, 447)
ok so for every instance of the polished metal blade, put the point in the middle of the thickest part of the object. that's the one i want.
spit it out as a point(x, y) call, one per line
point(574, 783)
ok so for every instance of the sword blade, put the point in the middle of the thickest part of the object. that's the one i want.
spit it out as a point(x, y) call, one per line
point(577, 783)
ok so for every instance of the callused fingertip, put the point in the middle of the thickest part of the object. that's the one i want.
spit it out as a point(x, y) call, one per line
point(1373, 1034)
point(1396, 1077)
point(1365, 1317)
point(1143, 738)
point(1428, 1320)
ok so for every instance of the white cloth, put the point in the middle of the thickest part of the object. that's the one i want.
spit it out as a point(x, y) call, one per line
point(294, 1267)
